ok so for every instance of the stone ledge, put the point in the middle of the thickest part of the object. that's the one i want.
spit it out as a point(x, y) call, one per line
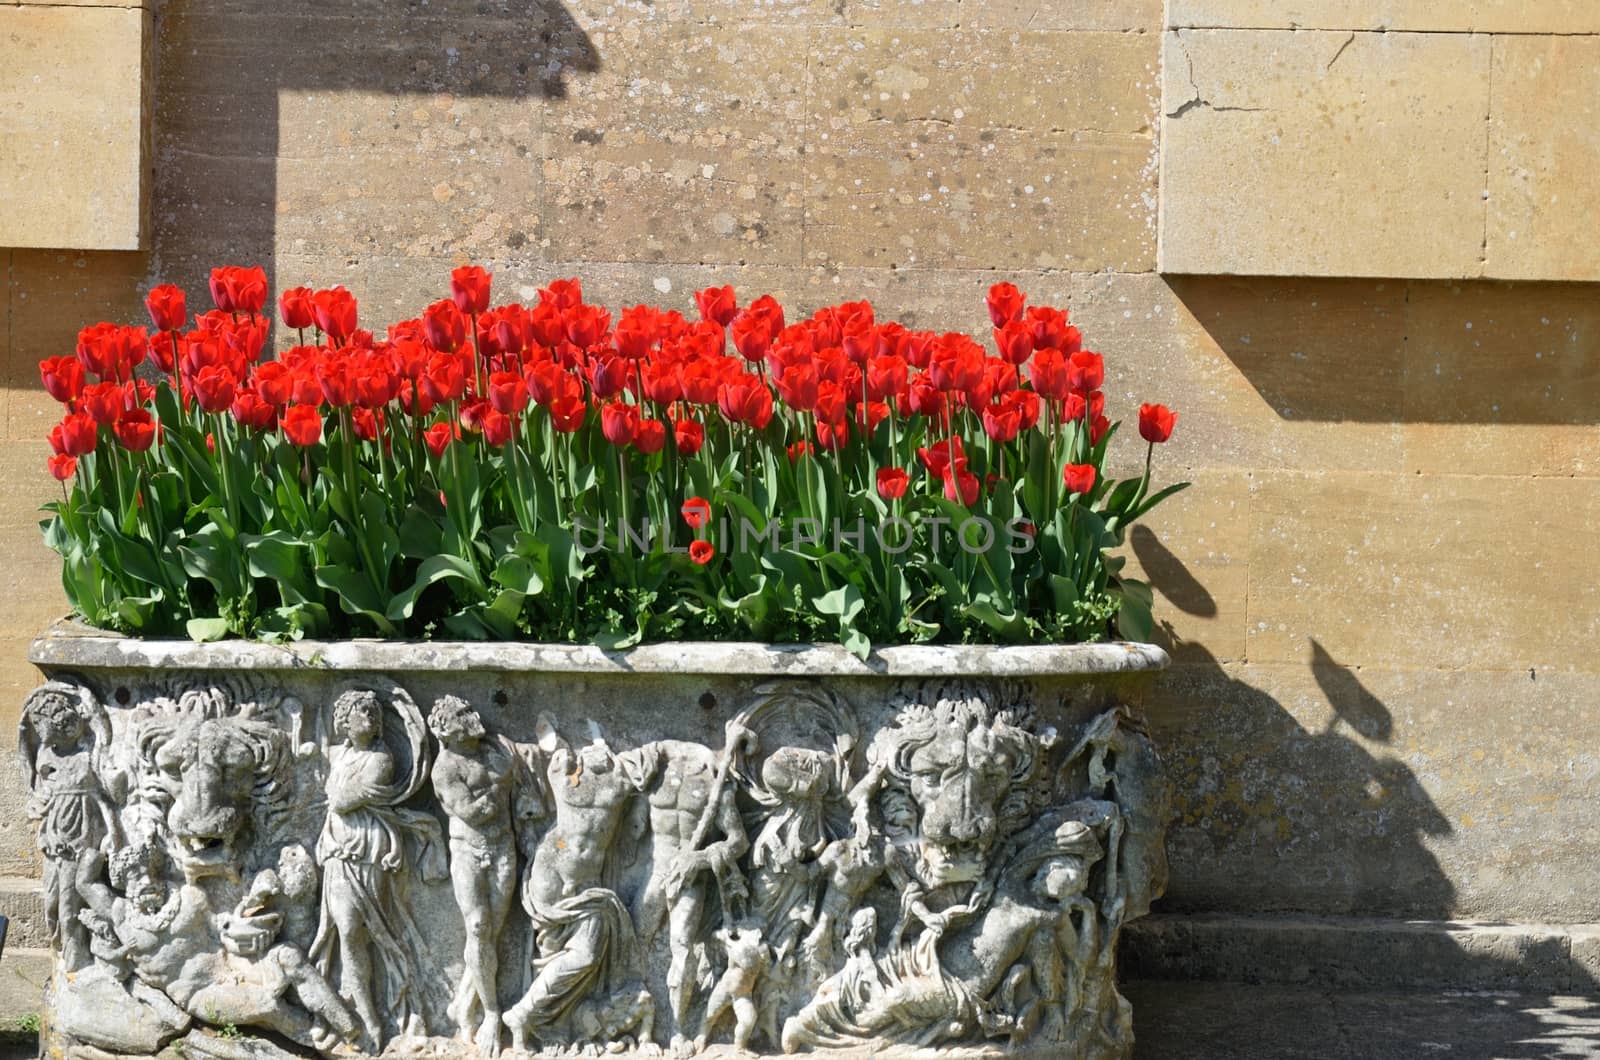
point(24, 972)
point(1352, 952)
point(73, 645)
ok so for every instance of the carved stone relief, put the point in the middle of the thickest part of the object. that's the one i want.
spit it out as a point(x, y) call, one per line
point(365, 874)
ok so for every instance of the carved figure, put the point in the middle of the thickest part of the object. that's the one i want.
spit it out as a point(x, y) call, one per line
point(747, 961)
point(367, 938)
point(474, 779)
point(167, 937)
point(948, 875)
point(585, 936)
point(61, 732)
point(690, 800)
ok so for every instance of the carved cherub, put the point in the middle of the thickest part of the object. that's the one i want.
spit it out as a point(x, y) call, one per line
point(748, 961)
point(62, 733)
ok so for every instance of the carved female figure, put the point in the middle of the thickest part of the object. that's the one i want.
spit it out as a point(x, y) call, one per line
point(366, 929)
point(60, 734)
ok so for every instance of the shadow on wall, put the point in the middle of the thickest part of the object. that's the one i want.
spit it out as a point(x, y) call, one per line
point(355, 70)
point(1402, 351)
point(1273, 816)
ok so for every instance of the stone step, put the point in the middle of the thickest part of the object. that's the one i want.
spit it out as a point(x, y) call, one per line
point(1237, 1021)
point(24, 971)
point(1354, 953)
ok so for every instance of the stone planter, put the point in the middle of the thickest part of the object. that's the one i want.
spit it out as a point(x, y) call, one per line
point(448, 848)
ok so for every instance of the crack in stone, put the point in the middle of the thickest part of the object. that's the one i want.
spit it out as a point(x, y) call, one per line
point(1347, 42)
point(1197, 100)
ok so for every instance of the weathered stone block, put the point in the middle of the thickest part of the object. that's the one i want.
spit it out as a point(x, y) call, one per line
point(1439, 16)
point(898, 87)
point(1143, 16)
point(1298, 153)
point(683, 147)
point(1062, 203)
point(1542, 159)
point(1371, 565)
point(74, 153)
point(1500, 379)
point(1263, 373)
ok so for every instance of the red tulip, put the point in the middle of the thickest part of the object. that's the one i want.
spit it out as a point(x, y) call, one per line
point(250, 409)
point(562, 294)
point(717, 304)
point(797, 385)
point(508, 392)
point(1156, 423)
point(887, 377)
point(496, 427)
point(274, 381)
point(939, 455)
point(334, 377)
point(961, 486)
point(167, 307)
point(135, 430)
point(78, 434)
point(752, 336)
point(445, 379)
point(1014, 341)
point(239, 290)
point(103, 401)
point(1078, 478)
point(608, 374)
point(702, 552)
point(689, 435)
point(302, 425)
point(619, 422)
point(62, 466)
point(1002, 422)
point(1048, 373)
point(444, 326)
point(568, 413)
point(587, 325)
point(63, 378)
point(638, 330)
point(1005, 304)
point(296, 309)
point(335, 310)
point(1049, 327)
point(469, 289)
point(437, 438)
point(1098, 428)
point(1085, 371)
point(696, 512)
point(746, 400)
point(798, 449)
point(892, 483)
point(651, 436)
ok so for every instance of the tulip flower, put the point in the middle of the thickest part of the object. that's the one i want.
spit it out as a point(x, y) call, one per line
point(696, 512)
point(78, 434)
point(702, 552)
point(63, 378)
point(717, 304)
point(619, 422)
point(135, 430)
point(302, 425)
point(166, 306)
point(689, 435)
point(1078, 478)
point(62, 466)
point(1005, 304)
point(295, 308)
point(892, 483)
point(469, 289)
point(1156, 423)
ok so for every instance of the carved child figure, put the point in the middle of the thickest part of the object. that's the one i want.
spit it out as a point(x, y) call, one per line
point(74, 815)
point(473, 778)
point(748, 961)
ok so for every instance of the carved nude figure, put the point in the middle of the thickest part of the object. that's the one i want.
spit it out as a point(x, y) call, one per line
point(74, 815)
point(748, 960)
point(474, 778)
point(366, 930)
point(584, 933)
point(686, 785)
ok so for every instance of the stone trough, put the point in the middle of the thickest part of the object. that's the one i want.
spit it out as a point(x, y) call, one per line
point(459, 849)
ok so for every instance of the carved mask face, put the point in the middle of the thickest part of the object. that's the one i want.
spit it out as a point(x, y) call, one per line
point(147, 893)
point(958, 779)
point(215, 766)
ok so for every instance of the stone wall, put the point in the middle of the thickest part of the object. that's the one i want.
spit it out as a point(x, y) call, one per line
point(1381, 591)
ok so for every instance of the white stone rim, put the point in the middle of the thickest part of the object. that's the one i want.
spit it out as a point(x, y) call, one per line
point(71, 645)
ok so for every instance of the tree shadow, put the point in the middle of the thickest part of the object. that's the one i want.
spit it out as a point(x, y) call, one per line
point(1310, 821)
point(353, 71)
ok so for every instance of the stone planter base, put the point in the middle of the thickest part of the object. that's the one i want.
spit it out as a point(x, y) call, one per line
point(450, 849)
